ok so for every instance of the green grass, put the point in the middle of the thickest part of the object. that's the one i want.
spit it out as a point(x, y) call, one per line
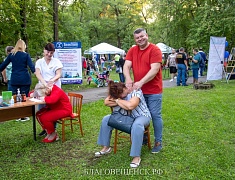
point(198, 143)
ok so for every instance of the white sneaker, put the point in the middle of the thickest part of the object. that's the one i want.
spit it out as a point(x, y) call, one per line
point(23, 119)
point(175, 77)
point(171, 80)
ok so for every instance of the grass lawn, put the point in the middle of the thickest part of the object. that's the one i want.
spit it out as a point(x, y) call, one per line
point(198, 143)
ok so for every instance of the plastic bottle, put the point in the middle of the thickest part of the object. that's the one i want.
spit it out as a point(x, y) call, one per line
point(18, 96)
point(12, 100)
point(23, 96)
point(14, 97)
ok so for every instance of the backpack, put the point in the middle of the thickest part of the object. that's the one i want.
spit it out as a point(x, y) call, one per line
point(202, 60)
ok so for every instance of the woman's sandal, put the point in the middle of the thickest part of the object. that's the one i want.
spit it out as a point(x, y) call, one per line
point(135, 165)
point(100, 153)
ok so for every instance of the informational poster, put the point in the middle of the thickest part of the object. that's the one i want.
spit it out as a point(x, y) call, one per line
point(216, 58)
point(69, 53)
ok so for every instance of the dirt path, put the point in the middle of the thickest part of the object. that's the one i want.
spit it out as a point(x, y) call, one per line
point(94, 94)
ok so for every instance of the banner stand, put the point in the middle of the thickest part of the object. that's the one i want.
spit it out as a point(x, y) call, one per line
point(69, 53)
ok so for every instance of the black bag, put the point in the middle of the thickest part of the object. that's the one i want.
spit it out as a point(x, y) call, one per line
point(121, 122)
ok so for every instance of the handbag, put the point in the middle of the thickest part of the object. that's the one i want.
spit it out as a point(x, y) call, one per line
point(121, 122)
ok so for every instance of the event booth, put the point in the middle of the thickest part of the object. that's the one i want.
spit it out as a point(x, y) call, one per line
point(104, 48)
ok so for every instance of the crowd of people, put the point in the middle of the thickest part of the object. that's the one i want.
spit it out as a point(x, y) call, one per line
point(179, 63)
point(101, 65)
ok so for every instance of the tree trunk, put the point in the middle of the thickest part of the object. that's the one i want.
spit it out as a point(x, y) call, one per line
point(23, 33)
point(55, 19)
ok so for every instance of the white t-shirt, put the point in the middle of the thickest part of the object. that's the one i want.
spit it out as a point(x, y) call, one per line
point(48, 71)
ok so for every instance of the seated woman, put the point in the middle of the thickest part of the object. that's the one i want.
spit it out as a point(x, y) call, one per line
point(126, 99)
point(57, 106)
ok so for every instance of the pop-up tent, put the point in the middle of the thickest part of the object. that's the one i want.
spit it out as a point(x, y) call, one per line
point(104, 48)
point(164, 48)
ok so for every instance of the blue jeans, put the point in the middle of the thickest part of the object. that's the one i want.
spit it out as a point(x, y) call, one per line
point(121, 77)
point(195, 73)
point(154, 103)
point(201, 70)
point(181, 74)
point(137, 134)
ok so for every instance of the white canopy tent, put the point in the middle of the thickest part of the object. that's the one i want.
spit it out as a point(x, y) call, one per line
point(164, 48)
point(104, 48)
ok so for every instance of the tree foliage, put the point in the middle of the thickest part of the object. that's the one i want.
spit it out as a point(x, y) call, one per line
point(177, 23)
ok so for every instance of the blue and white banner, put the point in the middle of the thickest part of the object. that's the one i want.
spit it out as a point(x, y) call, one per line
point(69, 53)
point(216, 58)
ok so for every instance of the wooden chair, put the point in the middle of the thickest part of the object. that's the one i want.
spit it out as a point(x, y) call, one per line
point(120, 134)
point(76, 102)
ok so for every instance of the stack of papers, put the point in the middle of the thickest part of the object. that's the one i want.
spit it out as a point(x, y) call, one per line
point(35, 100)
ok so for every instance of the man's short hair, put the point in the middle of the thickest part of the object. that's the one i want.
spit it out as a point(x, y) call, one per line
point(181, 49)
point(139, 30)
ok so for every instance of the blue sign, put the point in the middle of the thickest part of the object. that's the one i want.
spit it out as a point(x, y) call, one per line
point(67, 45)
point(69, 53)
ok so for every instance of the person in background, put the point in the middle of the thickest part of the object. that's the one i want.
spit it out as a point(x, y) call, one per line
point(6, 73)
point(48, 71)
point(195, 65)
point(202, 63)
point(172, 64)
point(57, 106)
point(146, 61)
point(102, 62)
point(182, 65)
point(124, 99)
point(88, 69)
point(20, 77)
point(116, 59)
point(121, 64)
point(84, 65)
point(95, 64)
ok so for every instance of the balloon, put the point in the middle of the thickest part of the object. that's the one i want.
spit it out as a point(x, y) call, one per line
point(226, 54)
point(226, 43)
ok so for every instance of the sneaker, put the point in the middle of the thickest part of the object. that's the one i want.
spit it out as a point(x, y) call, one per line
point(157, 147)
point(23, 119)
point(171, 80)
point(175, 77)
point(43, 133)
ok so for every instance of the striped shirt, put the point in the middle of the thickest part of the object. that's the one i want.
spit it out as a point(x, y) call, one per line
point(140, 110)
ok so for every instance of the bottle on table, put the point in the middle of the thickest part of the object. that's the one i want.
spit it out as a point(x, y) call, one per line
point(12, 100)
point(14, 97)
point(23, 96)
point(18, 96)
